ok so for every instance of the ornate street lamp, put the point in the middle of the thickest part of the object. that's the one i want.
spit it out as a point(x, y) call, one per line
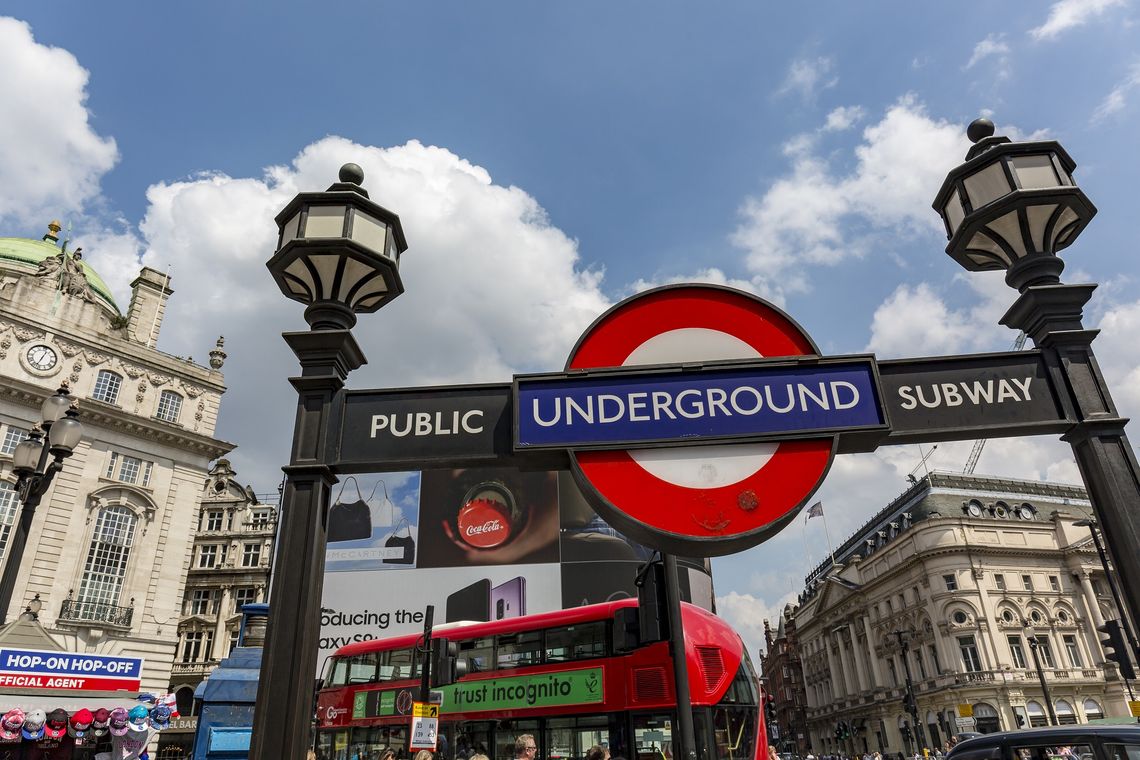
point(1012, 207)
point(35, 465)
point(1031, 633)
point(339, 254)
point(910, 703)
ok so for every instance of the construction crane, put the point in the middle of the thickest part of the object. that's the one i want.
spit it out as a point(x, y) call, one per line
point(976, 452)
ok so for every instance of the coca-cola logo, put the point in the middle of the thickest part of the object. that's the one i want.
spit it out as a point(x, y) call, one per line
point(484, 524)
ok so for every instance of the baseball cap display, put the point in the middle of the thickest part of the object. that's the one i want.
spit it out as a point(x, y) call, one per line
point(139, 717)
point(160, 716)
point(56, 726)
point(99, 721)
point(118, 722)
point(34, 725)
point(80, 723)
point(11, 724)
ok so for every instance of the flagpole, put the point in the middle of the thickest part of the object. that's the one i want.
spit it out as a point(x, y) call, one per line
point(826, 532)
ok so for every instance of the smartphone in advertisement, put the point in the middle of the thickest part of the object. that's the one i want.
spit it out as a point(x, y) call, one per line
point(508, 599)
point(470, 603)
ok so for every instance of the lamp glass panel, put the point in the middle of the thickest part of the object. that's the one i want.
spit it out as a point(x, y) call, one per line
point(986, 185)
point(1038, 218)
point(354, 271)
point(298, 269)
point(26, 455)
point(1035, 172)
point(54, 407)
point(1008, 229)
point(369, 231)
point(393, 252)
point(325, 222)
point(982, 243)
point(954, 211)
point(289, 231)
point(1063, 230)
point(65, 434)
point(371, 292)
point(296, 288)
point(326, 265)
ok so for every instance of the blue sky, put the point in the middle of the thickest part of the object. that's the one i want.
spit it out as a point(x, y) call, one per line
point(549, 159)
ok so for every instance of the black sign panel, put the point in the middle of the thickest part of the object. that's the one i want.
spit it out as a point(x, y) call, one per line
point(423, 428)
point(965, 397)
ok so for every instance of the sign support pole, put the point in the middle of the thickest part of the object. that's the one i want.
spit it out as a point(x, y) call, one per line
point(425, 663)
point(680, 665)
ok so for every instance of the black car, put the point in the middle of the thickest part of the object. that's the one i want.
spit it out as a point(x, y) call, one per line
point(1080, 742)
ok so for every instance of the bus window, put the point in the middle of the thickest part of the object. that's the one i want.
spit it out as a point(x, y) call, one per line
point(472, 738)
point(337, 673)
point(576, 642)
point(332, 745)
point(734, 729)
point(652, 737)
point(363, 668)
point(479, 654)
point(508, 731)
point(570, 738)
point(519, 649)
point(398, 665)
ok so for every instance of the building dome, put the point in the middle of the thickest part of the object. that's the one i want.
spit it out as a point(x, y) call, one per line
point(24, 256)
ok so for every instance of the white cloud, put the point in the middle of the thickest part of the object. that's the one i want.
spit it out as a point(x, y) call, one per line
point(746, 614)
point(51, 160)
point(1067, 14)
point(1115, 101)
point(993, 46)
point(808, 76)
point(843, 118)
point(802, 219)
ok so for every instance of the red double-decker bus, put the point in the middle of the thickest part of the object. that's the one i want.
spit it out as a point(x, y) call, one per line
point(572, 679)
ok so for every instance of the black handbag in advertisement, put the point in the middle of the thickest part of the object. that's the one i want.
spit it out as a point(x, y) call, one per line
point(407, 543)
point(352, 521)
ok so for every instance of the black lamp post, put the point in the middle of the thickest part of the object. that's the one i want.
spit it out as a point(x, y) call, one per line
point(1031, 632)
point(35, 465)
point(339, 254)
point(909, 701)
point(1012, 207)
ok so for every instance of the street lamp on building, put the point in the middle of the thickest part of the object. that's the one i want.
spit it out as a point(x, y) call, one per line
point(35, 463)
point(338, 253)
point(1011, 207)
point(1031, 633)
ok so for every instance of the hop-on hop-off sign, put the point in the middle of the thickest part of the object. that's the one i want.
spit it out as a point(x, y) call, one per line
point(69, 671)
point(702, 459)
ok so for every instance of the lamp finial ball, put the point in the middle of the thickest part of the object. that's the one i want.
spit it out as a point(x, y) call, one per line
point(352, 173)
point(979, 129)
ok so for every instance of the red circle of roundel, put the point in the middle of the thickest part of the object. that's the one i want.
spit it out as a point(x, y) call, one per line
point(697, 521)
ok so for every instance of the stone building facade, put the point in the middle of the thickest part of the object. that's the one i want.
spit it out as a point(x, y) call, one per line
point(229, 567)
point(971, 571)
point(111, 542)
point(783, 677)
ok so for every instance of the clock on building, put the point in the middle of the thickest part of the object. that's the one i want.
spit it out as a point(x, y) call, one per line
point(42, 358)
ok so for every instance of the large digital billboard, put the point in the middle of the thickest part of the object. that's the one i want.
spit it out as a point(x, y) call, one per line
point(478, 544)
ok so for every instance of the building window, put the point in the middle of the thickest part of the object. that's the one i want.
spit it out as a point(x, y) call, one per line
point(920, 663)
point(169, 406)
point(13, 436)
point(244, 596)
point(1045, 651)
point(934, 659)
point(261, 519)
point(1065, 714)
point(108, 555)
point(970, 658)
point(999, 581)
point(951, 582)
point(251, 555)
point(1097, 588)
point(213, 520)
point(107, 385)
point(1036, 712)
point(1073, 652)
point(1017, 651)
point(196, 646)
point(1027, 582)
point(8, 507)
point(1054, 583)
point(201, 600)
point(1093, 710)
point(233, 641)
point(211, 555)
point(893, 672)
point(127, 469)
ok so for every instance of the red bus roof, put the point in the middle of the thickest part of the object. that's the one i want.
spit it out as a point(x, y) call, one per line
point(693, 618)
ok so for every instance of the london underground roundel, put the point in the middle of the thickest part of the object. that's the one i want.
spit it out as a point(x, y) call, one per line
point(697, 500)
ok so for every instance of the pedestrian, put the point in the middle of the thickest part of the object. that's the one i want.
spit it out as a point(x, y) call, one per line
point(772, 753)
point(424, 754)
point(525, 747)
point(597, 752)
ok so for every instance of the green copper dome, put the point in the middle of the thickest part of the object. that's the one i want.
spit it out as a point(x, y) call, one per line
point(25, 255)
